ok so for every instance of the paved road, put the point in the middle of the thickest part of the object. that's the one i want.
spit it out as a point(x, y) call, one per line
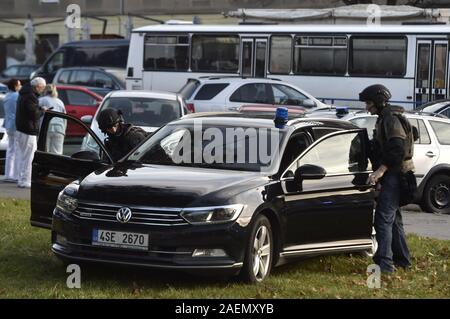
point(416, 221)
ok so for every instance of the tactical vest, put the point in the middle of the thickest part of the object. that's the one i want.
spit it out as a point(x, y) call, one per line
point(404, 131)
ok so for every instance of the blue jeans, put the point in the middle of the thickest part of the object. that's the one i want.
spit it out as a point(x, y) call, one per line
point(392, 247)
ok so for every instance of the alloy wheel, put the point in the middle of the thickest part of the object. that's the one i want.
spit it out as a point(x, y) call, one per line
point(261, 253)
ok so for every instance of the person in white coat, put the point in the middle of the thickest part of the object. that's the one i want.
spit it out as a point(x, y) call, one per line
point(57, 127)
point(28, 114)
point(9, 123)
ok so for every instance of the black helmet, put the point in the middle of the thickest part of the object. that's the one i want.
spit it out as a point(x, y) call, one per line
point(108, 118)
point(377, 93)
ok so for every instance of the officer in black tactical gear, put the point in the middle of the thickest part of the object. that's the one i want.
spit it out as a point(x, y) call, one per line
point(392, 151)
point(122, 138)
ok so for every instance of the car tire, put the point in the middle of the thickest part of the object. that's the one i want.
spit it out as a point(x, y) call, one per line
point(259, 252)
point(436, 195)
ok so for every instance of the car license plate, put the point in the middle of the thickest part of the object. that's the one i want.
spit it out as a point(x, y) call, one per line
point(118, 239)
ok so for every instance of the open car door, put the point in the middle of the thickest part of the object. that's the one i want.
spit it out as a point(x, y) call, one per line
point(59, 160)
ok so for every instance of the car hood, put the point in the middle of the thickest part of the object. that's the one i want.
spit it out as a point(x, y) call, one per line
point(166, 186)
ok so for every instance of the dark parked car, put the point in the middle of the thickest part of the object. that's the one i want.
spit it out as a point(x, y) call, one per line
point(98, 53)
point(241, 216)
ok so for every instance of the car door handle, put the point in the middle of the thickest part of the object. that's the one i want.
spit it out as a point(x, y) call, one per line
point(430, 154)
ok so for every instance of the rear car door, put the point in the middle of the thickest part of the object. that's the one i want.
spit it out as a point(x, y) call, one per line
point(337, 207)
point(251, 93)
point(58, 161)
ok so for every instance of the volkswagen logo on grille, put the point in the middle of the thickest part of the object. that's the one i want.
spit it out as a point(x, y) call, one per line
point(123, 215)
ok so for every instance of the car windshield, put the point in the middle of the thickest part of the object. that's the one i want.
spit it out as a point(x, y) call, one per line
point(141, 111)
point(435, 107)
point(212, 146)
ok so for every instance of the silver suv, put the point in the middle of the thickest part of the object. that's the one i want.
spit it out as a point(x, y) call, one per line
point(228, 93)
point(431, 155)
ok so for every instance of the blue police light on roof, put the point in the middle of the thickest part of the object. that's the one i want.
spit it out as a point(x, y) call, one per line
point(281, 117)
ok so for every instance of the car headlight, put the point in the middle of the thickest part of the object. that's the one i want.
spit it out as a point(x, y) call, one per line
point(67, 202)
point(212, 215)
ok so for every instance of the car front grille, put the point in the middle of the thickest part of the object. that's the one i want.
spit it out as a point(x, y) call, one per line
point(141, 215)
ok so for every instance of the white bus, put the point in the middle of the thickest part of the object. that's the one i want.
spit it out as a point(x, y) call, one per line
point(332, 62)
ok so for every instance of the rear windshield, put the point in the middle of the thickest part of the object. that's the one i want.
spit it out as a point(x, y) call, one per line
point(209, 91)
point(189, 88)
point(145, 111)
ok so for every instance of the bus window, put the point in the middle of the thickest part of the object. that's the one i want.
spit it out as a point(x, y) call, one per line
point(372, 56)
point(163, 53)
point(215, 53)
point(320, 55)
point(280, 54)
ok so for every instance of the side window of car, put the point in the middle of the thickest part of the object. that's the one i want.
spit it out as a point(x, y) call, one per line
point(252, 93)
point(296, 145)
point(64, 77)
point(79, 98)
point(424, 137)
point(442, 131)
point(337, 154)
point(367, 122)
point(319, 132)
point(62, 138)
point(102, 80)
point(446, 112)
point(81, 77)
point(209, 91)
point(286, 95)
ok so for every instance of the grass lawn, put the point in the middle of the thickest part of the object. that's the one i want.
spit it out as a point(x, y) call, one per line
point(28, 269)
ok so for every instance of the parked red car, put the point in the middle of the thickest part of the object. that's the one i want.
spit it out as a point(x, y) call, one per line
point(79, 101)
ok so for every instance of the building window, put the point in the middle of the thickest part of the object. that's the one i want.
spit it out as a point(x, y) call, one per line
point(166, 53)
point(320, 55)
point(280, 54)
point(215, 53)
point(371, 56)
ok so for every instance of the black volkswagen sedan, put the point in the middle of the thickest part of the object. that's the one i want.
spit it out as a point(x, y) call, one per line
point(212, 192)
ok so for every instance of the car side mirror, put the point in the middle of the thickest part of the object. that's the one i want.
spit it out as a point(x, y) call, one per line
point(308, 171)
point(86, 155)
point(308, 103)
point(87, 119)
